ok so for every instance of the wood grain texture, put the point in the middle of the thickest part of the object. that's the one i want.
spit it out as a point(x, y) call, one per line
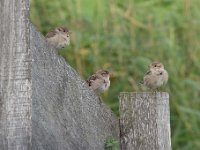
point(145, 121)
point(66, 114)
point(15, 91)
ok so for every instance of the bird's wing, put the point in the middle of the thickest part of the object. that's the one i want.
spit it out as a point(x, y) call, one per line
point(165, 76)
point(51, 34)
point(149, 77)
point(91, 79)
point(95, 81)
point(149, 72)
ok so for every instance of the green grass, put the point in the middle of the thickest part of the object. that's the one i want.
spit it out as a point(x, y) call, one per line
point(124, 36)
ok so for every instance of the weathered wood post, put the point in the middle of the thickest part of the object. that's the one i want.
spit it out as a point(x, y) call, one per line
point(145, 121)
point(44, 104)
point(15, 91)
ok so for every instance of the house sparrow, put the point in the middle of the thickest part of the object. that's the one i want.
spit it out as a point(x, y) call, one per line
point(156, 76)
point(99, 81)
point(59, 37)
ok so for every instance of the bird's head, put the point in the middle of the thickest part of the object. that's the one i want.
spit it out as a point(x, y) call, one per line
point(103, 73)
point(156, 65)
point(63, 30)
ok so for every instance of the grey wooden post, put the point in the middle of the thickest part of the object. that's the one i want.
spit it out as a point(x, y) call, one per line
point(145, 121)
point(15, 83)
point(44, 104)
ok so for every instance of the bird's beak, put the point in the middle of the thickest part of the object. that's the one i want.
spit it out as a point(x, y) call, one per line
point(70, 32)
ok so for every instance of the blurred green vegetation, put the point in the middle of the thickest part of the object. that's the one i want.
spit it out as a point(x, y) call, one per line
point(124, 36)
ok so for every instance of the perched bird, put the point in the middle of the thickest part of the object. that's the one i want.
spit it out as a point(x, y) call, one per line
point(59, 37)
point(99, 81)
point(156, 76)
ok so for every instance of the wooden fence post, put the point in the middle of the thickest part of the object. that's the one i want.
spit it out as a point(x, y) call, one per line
point(15, 91)
point(145, 121)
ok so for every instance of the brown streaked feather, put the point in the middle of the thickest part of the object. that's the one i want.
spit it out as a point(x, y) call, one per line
point(91, 79)
point(51, 34)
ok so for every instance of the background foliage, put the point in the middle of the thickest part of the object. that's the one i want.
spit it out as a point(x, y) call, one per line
point(124, 36)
